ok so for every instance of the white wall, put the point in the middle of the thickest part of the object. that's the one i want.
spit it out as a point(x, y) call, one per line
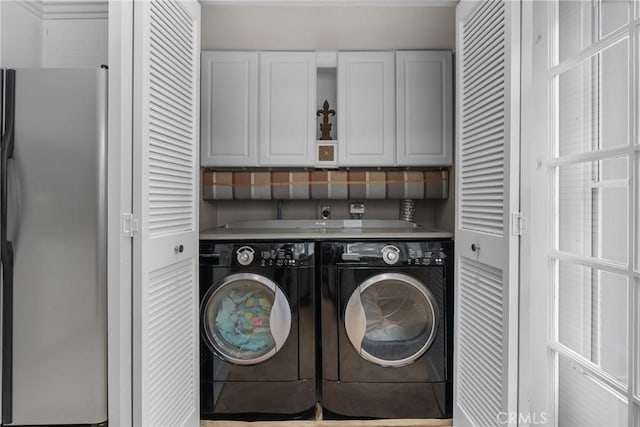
point(326, 28)
point(238, 210)
point(21, 36)
point(75, 43)
point(33, 37)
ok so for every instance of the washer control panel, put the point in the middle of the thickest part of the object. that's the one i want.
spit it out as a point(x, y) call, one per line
point(257, 255)
point(279, 257)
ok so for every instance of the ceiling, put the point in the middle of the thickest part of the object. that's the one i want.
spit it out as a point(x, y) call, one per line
point(379, 3)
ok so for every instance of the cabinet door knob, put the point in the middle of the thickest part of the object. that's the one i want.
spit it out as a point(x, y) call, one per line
point(474, 247)
point(178, 249)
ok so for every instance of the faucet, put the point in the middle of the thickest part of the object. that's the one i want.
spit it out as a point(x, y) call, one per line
point(356, 210)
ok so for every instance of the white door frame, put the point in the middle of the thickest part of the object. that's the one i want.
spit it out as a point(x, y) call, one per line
point(534, 387)
point(120, 185)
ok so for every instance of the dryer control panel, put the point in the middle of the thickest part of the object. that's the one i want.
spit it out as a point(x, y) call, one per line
point(399, 253)
point(426, 257)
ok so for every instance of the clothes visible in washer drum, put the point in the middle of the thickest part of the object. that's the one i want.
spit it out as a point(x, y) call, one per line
point(243, 320)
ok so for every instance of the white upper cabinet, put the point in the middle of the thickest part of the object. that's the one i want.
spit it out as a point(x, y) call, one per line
point(287, 108)
point(392, 109)
point(229, 129)
point(366, 108)
point(424, 108)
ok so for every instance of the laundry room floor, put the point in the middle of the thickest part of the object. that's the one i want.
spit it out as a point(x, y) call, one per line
point(319, 422)
point(324, 423)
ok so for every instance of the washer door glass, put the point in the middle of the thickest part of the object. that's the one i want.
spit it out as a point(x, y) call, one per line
point(391, 319)
point(247, 319)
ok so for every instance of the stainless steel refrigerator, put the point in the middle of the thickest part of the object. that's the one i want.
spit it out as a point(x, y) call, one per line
point(53, 232)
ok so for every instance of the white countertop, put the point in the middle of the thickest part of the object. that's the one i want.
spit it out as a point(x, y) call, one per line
point(252, 230)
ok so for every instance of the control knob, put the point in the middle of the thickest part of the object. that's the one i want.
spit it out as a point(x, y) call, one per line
point(390, 254)
point(244, 255)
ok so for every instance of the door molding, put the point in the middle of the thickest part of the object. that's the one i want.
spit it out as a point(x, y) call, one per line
point(119, 185)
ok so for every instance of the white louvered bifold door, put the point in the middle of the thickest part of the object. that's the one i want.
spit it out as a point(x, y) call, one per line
point(487, 194)
point(165, 200)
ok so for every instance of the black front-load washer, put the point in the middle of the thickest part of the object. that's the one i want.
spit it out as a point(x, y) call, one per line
point(387, 329)
point(257, 323)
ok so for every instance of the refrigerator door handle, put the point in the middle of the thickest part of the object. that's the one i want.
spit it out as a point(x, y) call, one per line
point(6, 149)
point(9, 111)
point(6, 146)
point(1, 104)
point(6, 247)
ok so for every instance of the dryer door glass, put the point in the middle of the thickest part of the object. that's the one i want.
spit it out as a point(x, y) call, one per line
point(391, 319)
point(246, 319)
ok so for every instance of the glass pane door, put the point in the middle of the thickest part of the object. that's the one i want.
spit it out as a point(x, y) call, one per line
point(593, 340)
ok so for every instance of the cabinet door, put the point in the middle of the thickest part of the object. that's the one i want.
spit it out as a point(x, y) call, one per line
point(165, 331)
point(424, 124)
point(287, 108)
point(366, 108)
point(487, 195)
point(229, 109)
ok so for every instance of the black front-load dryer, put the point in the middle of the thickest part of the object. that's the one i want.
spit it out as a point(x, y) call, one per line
point(257, 323)
point(387, 329)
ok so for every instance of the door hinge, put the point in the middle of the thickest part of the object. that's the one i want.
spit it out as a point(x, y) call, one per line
point(518, 224)
point(129, 225)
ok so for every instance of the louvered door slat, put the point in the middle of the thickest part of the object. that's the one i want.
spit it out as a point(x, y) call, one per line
point(486, 191)
point(487, 173)
point(486, 82)
point(489, 145)
point(480, 142)
point(165, 121)
point(480, 354)
point(175, 61)
point(479, 159)
point(162, 97)
point(178, 23)
point(489, 91)
point(489, 49)
point(175, 99)
point(483, 378)
point(162, 72)
point(493, 109)
point(177, 46)
point(169, 19)
point(482, 21)
point(166, 97)
point(489, 124)
point(491, 62)
point(168, 140)
point(168, 147)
